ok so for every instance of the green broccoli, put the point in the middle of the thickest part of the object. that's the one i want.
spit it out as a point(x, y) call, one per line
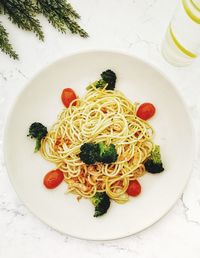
point(154, 163)
point(37, 131)
point(107, 153)
point(100, 152)
point(101, 202)
point(89, 153)
point(108, 79)
point(98, 84)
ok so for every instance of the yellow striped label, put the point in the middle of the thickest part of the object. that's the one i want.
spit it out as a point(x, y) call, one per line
point(179, 46)
point(190, 13)
point(195, 5)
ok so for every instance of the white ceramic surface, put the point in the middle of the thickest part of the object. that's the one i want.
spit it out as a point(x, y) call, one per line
point(40, 101)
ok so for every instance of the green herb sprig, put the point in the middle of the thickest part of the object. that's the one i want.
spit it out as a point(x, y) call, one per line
point(61, 15)
point(5, 45)
point(24, 13)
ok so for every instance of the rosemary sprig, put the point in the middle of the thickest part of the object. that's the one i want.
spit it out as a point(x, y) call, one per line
point(75, 28)
point(60, 5)
point(23, 14)
point(5, 45)
point(61, 15)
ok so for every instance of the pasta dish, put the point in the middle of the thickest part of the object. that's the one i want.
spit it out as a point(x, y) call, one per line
point(101, 143)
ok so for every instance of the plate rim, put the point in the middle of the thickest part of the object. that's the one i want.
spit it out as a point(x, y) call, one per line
point(90, 51)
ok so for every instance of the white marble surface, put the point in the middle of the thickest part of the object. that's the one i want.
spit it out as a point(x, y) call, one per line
point(138, 27)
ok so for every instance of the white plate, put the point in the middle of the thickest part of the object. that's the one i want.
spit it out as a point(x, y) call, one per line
point(40, 101)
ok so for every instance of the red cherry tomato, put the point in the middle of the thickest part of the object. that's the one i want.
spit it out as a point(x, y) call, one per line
point(53, 178)
point(67, 96)
point(146, 111)
point(134, 188)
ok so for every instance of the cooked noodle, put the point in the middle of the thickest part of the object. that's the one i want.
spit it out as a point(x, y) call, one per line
point(100, 116)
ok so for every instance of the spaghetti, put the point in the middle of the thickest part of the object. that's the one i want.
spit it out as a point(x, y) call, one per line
point(100, 116)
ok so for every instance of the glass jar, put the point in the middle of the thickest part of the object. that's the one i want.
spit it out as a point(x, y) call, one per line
point(181, 45)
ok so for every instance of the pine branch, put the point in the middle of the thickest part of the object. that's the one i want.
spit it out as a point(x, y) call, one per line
point(5, 45)
point(23, 13)
point(61, 15)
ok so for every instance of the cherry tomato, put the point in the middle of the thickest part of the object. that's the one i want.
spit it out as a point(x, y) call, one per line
point(134, 188)
point(53, 178)
point(146, 111)
point(67, 96)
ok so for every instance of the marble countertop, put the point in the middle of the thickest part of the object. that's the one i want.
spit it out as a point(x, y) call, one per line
point(138, 27)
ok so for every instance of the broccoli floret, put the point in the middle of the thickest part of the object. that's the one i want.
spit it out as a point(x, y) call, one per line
point(37, 131)
point(107, 153)
point(109, 77)
point(154, 163)
point(101, 202)
point(100, 152)
point(99, 84)
point(89, 153)
point(108, 80)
